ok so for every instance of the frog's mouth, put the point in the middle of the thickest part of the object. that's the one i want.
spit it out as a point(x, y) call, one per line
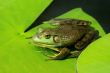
point(42, 44)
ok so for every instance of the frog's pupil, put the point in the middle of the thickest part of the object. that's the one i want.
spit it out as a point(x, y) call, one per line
point(47, 36)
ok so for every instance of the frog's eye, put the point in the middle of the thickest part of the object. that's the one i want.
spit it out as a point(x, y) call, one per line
point(47, 36)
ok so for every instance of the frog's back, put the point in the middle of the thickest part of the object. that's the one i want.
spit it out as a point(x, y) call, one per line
point(69, 35)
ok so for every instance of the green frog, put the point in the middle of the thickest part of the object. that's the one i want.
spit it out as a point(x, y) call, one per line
point(69, 33)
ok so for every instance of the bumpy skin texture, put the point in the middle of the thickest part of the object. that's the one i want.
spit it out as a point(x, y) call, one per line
point(70, 32)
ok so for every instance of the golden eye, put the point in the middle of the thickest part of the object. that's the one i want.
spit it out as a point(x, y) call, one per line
point(47, 36)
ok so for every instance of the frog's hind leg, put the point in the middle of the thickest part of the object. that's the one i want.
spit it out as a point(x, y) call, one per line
point(64, 52)
point(89, 37)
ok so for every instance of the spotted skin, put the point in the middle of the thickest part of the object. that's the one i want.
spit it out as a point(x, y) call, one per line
point(70, 32)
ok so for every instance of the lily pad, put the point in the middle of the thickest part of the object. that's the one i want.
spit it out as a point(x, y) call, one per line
point(96, 57)
point(77, 13)
point(17, 55)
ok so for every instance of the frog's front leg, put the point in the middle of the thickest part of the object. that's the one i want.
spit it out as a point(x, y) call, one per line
point(64, 52)
point(89, 37)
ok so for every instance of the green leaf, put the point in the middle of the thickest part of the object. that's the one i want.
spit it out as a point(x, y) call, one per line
point(78, 14)
point(17, 55)
point(19, 14)
point(96, 57)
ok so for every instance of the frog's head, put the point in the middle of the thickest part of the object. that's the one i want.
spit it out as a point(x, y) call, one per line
point(45, 38)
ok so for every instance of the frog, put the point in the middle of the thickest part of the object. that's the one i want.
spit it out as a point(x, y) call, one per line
point(69, 33)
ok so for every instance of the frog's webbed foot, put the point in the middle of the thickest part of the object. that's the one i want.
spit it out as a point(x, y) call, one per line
point(74, 54)
point(64, 52)
point(89, 37)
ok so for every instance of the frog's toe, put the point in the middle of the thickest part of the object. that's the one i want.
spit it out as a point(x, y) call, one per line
point(78, 46)
point(74, 54)
point(63, 53)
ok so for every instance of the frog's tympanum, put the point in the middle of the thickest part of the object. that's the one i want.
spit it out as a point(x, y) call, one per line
point(70, 34)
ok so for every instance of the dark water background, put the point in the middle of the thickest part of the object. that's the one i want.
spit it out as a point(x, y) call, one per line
point(99, 9)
